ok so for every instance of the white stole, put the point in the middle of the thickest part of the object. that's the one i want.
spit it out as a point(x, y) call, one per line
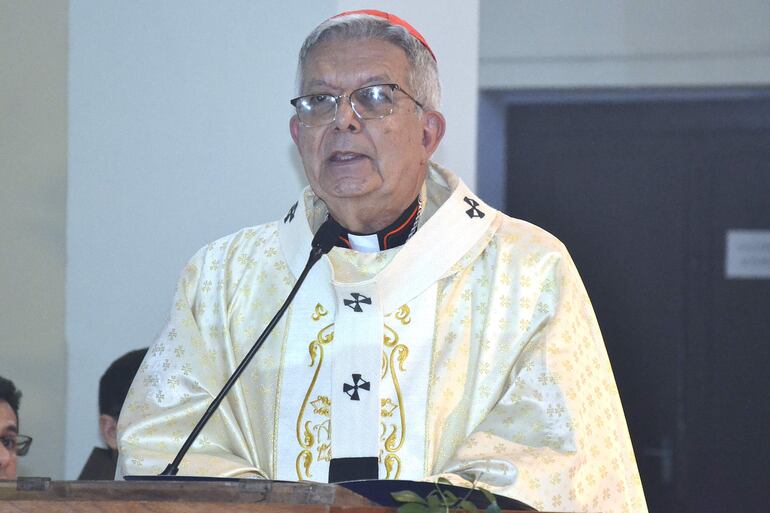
point(343, 338)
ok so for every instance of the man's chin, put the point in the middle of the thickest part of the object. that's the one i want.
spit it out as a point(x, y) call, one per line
point(349, 187)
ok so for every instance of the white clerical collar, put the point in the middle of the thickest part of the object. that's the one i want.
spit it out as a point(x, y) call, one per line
point(364, 243)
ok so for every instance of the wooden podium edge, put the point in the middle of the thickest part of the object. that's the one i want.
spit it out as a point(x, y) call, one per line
point(243, 491)
point(43, 495)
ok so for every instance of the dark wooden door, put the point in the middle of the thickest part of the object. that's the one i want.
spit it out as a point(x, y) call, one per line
point(642, 193)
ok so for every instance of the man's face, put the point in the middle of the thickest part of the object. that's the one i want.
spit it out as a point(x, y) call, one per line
point(9, 427)
point(373, 165)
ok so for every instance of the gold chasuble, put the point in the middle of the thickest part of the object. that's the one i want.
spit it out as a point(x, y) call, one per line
point(471, 352)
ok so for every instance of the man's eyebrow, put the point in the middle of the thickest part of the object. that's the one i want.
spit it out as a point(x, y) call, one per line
point(12, 428)
point(377, 79)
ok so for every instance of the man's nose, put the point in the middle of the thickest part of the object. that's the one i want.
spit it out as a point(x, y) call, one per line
point(346, 118)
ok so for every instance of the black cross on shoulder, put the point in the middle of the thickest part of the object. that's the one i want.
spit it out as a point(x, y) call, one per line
point(290, 215)
point(474, 211)
point(358, 384)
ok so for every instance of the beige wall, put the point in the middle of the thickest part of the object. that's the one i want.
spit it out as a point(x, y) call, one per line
point(33, 192)
point(623, 43)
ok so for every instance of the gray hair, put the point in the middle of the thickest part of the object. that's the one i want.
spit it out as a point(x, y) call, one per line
point(423, 78)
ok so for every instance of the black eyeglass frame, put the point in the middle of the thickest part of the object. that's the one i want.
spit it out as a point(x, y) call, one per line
point(22, 443)
point(393, 88)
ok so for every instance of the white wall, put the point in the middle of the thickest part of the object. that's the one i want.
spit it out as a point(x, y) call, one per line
point(601, 43)
point(178, 135)
point(33, 182)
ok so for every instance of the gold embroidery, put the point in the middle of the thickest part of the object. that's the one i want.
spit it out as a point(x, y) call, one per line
point(320, 311)
point(399, 354)
point(324, 426)
point(305, 436)
point(403, 315)
point(389, 340)
point(387, 408)
point(384, 366)
point(305, 459)
point(391, 461)
point(325, 452)
point(321, 406)
point(393, 434)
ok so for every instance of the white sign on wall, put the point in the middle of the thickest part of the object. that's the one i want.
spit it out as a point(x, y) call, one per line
point(747, 254)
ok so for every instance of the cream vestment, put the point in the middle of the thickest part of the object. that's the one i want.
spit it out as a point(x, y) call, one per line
point(472, 351)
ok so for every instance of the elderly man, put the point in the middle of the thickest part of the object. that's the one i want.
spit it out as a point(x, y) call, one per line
point(12, 444)
point(438, 338)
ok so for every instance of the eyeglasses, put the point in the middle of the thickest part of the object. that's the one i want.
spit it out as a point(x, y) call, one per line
point(370, 102)
point(18, 444)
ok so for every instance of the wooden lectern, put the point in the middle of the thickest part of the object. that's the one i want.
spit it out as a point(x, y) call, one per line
point(41, 495)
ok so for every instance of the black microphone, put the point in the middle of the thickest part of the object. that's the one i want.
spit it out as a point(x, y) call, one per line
point(322, 243)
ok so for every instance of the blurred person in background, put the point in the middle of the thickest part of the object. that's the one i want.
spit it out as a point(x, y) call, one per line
point(113, 387)
point(12, 444)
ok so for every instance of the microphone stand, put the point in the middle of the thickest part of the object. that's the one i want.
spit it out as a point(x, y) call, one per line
point(322, 243)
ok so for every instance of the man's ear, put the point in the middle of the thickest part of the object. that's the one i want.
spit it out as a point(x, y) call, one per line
point(433, 128)
point(294, 129)
point(108, 427)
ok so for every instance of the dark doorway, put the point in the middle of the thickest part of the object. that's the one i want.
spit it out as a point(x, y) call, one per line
point(642, 190)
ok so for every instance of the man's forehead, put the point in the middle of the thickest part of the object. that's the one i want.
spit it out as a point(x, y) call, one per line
point(347, 63)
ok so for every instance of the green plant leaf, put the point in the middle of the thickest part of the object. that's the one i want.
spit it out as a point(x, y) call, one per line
point(493, 508)
point(444, 481)
point(407, 496)
point(450, 498)
point(434, 501)
point(468, 506)
point(412, 507)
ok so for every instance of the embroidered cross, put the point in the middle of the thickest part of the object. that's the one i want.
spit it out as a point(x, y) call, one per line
point(355, 303)
point(290, 216)
point(358, 384)
point(473, 211)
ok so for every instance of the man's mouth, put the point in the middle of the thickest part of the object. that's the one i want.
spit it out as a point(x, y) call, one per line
point(345, 157)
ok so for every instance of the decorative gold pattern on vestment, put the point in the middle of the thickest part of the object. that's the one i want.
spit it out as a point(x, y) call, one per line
point(323, 431)
point(319, 312)
point(392, 462)
point(321, 405)
point(304, 460)
point(392, 339)
point(403, 315)
point(387, 407)
point(394, 434)
point(399, 354)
